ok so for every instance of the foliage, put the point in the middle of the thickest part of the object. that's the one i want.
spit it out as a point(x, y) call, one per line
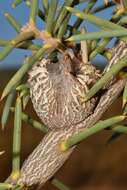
point(60, 34)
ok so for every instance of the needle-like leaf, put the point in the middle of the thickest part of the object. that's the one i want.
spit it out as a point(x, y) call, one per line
point(16, 3)
point(88, 132)
point(125, 95)
point(106, 78)
point(98, 35)
point(13, 22)
point(17, 139)
point(6, 109)
point(22, 71)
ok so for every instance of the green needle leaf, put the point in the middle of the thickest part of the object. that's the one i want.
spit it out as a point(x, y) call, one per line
point(17, 139)
point(124, 4)
point(22, 45)
point(104, 24)
point(86, 10)
point(5, 186)
point(63, 27)
point(22, 71)
point(62, 14)
point(25, 100)
point(40, 13)
point(34, 123)
point(57, 183)
point(14, 42)
point(125, 110)
point(24, 92)
point(120, 129)
point(102, 7)
point(6, 109)
point(45, 4)
point(88, 132)
point(13, 22)
point(33, 11)
point(106, 78)
point(51, 16)
point(99, 49)
point(98, 35)
point(125, 95)
point(84, 47)
point(16, 3)
point(22, 87)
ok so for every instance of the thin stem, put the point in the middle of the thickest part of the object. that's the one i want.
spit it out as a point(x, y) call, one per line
point(22, 45)
point(102, 7)
point(51, 16)
point(33, 11)
point(102, 23)
point(14, 42)
point(79, 21)
point(24, 92)
point(16, 3)
point(119, 129)
point(106, 78)
point(125, 110)
point(45, 4)
point(84, 47)
point(62, 14)
point(40, 13)
point(34, 123)
point(23, 86)
point(60, 185)
point(5, 186)
point(99, 49)
point(63, 27)
point(98, 35)
point(22, 71)
point(88, 132)
point(16, 139)
point(25, 100)
point(13, 22)
point(125, 96)
point(6, 109)
point(125, 3)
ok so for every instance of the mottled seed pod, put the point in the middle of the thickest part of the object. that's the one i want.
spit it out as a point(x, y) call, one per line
point(57, 91)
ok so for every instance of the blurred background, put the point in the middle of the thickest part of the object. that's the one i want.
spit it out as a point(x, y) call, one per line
point(93, 165)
